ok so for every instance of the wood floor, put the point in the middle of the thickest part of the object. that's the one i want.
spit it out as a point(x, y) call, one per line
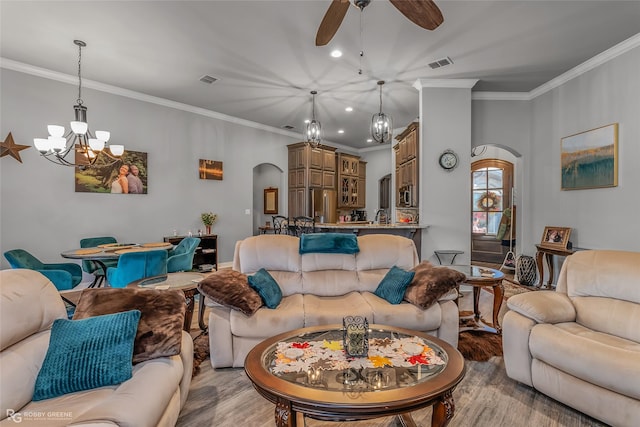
point(486, 397)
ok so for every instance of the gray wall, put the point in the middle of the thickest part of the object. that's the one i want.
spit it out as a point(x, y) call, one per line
point(41, 212)
point(601, 218)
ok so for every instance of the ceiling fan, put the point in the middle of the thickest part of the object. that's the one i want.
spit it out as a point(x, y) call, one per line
point(423, 13)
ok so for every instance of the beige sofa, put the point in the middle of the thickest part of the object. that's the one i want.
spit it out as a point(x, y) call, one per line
point(580, 344)
point(29, 303)
point(321, 289)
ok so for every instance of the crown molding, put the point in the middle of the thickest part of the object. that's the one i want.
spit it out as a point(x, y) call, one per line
point(609, 54)
point(21, 67)
point(500, 96)
point(602, 58)
point(445, 83)
point(606, 56)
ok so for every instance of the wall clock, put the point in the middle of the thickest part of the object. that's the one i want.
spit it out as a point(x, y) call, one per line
point(448, 160)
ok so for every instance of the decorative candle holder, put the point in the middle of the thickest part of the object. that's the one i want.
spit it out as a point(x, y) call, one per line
point(355, 336)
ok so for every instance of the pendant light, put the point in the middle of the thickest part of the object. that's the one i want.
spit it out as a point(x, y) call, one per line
point(57, 146)
point(314, 128)
point(381, 123)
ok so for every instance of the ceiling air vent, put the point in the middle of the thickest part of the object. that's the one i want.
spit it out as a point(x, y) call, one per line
point(288, 127)
point(208, 79)
point(441, 63)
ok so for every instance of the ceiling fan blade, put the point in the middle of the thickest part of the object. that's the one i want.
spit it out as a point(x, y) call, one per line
point(331, 21)
point(423, 13)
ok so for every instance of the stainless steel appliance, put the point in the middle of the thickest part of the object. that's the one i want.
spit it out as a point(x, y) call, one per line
point(405, 196)
point(323, 205)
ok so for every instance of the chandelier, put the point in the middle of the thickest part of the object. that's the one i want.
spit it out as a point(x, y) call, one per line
point(58, 145)
point(381, 123)
point(314, 128)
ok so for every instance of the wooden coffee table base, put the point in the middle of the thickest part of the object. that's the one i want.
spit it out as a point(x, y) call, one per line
point(287, 416)
point(295, 401)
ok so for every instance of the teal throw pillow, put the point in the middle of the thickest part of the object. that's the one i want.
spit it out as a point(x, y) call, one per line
point(267, 287)
point(394, 284)
point(88, 353)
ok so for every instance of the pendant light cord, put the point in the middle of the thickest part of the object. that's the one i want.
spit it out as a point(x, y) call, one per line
point(79, 100)
point(380, 99)
point(361, 40)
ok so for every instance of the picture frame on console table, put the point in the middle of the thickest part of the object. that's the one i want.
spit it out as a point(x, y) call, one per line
point(555, 237)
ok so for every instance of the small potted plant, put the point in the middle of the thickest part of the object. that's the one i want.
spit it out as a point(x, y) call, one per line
point(208, 219)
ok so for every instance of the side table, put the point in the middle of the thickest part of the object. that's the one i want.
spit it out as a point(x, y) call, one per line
point(479, 277)
point(447, 252)
point(548, 253)
point(186, 281)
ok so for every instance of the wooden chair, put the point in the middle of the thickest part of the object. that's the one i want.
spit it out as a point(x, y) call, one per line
point(280, 224)
point(303, 225)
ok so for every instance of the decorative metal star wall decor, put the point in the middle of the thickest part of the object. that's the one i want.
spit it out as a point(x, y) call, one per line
point(9, 147)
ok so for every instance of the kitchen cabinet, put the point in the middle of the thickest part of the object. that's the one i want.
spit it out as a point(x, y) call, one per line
point(351, 181)
point(329, 160)
point(309, 168)
point(316, 158)
point(406, 152)
point(206, 253)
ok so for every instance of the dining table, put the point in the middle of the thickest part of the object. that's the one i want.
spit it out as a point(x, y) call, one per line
point(111, 251)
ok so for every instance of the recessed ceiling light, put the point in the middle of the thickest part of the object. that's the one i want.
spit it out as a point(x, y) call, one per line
point(336, 53)
point(348, 109)
point(369, 140)
point(307, 121)
point(340, 131)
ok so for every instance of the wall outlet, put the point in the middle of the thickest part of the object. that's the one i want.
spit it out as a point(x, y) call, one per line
point(247, 211)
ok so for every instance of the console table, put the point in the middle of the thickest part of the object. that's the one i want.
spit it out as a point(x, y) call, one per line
point(548, 253)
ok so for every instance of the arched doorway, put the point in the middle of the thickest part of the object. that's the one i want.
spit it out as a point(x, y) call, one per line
point(266, 175)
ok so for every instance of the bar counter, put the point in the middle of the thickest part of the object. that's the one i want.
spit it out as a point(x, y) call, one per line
point(362, 228)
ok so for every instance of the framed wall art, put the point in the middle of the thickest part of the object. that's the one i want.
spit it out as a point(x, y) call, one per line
point(271, 201)
point(210, 169)
point(590, 159)
point(128, 175)
point(556, 237)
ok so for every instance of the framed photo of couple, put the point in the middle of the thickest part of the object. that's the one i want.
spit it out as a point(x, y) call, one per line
point(556, 237)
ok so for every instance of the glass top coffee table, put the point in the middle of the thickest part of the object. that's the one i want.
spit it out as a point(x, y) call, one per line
point(305, 372)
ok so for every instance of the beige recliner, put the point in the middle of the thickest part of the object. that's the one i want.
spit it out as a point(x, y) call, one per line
point(29, 303)
point(580, 344)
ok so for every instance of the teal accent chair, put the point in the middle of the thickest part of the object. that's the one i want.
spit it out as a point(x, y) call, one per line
point(64, 275)
point(93, 267)
point(134, 266)
point(181, 257)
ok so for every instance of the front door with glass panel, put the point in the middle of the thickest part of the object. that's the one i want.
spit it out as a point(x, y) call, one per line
point(491, 186)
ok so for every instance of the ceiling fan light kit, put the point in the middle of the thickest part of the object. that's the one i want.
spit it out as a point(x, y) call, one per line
point(381, 123)
point(57, 145)
point(314, 128)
